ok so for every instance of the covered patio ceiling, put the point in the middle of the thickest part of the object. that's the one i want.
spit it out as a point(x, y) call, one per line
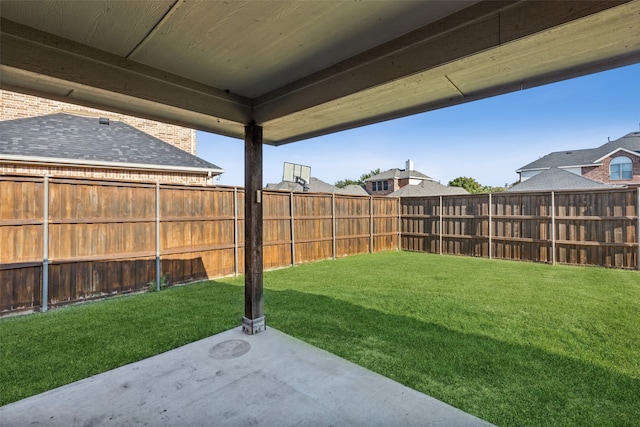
point(300, 69)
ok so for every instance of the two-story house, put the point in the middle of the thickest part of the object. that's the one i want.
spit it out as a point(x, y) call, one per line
point(615, 163)
point(394, 179)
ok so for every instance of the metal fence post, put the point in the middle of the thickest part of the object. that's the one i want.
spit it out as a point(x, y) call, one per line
point(490, 230)
point(235, 232)
point(293, 226)
point(333, 223)
point(371, 224)
point(399, 223)
point(553, 228)
point(638, 231)
point(440, 225)
point(158, 266)
point(45, 247)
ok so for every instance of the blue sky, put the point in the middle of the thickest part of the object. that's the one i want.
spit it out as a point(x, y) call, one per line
point(486, 140)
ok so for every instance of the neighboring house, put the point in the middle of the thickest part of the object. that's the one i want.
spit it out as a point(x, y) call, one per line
point(616, 162)
point(394, 179)
point(65, 145)
point(317, 186)
point(427, 188)
point(558, 179)
point(15, 105)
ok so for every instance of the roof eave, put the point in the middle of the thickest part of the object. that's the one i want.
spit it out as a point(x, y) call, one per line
point(51, 161)
point(596, 163)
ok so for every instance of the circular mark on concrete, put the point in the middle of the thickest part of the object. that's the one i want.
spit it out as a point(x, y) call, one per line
point(229, 349)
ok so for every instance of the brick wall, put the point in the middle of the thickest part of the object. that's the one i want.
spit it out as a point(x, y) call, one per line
point(391, 183)
point(18, 106)
point(601, 173)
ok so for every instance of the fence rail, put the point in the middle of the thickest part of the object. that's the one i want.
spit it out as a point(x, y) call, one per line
point(68, 240)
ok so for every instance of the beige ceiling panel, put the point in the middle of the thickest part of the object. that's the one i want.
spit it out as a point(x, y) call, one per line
point(567, 47)
point(392, 100)
point(113, 26)
point(251, 48)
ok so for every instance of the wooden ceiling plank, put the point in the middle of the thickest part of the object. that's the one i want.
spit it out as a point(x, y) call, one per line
point(72, 62)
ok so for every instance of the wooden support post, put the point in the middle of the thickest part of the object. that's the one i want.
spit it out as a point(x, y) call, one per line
point(236, 236)
point(638, 231)
point(253, 320)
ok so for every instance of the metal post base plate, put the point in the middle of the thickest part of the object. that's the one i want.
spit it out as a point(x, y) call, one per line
point(253, 326)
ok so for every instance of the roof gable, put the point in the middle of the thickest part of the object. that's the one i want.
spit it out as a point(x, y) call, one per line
point(400, 174)
point(66, 138)
point(427, 188)
point(619, 150)
point(558, 179)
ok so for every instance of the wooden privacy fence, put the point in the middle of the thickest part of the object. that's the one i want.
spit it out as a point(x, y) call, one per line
point(573, 227)
point(64, 240)
point(67, 240)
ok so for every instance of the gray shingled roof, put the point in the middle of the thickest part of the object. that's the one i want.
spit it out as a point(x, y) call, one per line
point(315, 186)
point(400, 174)
point(318, 186)
point(353, 190)
point(427, 188)
point(585, 157)
point(555, 179)
point(69, 137)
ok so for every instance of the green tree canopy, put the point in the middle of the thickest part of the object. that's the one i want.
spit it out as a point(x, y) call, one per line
point(490, 189)
point(344, 182)
point(469, 184)
point(473, 186)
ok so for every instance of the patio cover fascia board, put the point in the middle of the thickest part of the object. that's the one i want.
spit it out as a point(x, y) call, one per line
point(373, 84)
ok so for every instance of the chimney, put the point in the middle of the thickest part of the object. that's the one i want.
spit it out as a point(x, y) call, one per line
point(409, 166)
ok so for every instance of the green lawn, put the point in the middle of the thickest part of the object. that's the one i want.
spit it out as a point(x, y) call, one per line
point(513, 343)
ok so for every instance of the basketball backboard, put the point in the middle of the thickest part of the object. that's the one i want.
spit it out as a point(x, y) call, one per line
point(294, 172)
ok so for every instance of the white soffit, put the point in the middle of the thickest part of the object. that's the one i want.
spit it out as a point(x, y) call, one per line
point(303, 68)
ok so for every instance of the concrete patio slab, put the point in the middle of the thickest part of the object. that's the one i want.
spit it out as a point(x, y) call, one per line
point(233, 379)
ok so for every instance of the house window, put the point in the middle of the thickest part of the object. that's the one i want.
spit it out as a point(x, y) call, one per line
point(379, 185)
point(621, 168)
